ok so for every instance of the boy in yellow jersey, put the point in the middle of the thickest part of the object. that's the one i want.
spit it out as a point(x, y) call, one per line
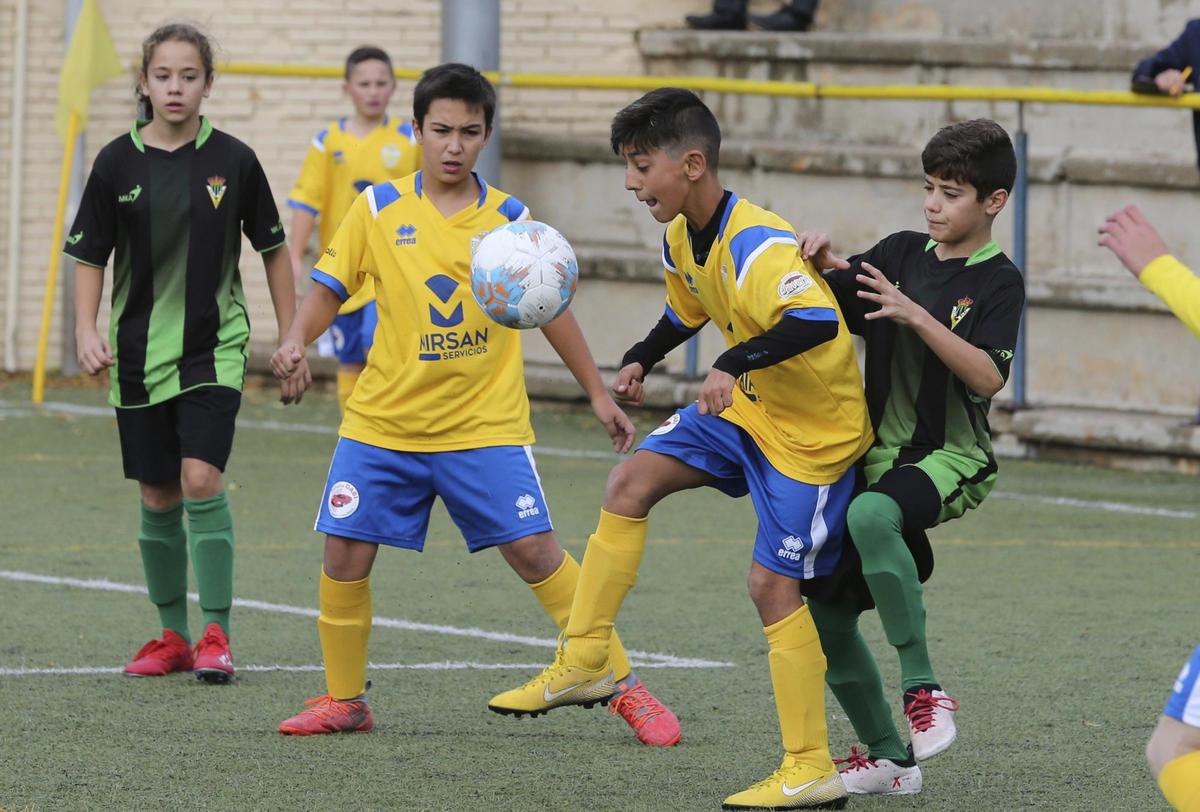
point(440, 409)
point(1173, 751)
point(781, 416)
point(345, 158)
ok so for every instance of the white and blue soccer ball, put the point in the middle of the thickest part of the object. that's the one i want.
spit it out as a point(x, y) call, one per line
point(524, 274)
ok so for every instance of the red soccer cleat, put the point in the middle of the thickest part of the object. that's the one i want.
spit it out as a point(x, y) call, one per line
point(650, 719)
point(325, 714)
point(160, 657)
point(213, 662)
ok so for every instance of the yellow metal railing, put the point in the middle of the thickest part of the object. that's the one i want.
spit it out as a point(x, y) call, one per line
point(809, 90)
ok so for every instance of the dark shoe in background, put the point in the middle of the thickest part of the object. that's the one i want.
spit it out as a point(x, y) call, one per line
point(783, 20)
point(716, 22)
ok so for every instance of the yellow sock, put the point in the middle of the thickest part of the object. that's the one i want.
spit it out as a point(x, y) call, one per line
point(1180, 782)
point(556, 594)
point(345, 385)
point(798, 679)
point(344, 625)
point(609, 571)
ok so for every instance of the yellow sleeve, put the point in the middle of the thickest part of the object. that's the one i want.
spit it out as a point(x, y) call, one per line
point(1179, 288)
point(309, 192)
point(346, 262)
point(776, 283)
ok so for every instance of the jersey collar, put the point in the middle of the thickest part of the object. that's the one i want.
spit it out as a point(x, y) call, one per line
point(206, 130)
point(483, 187)
point(982, 254)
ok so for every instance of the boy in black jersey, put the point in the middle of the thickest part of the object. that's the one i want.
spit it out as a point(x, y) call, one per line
point(939, 312)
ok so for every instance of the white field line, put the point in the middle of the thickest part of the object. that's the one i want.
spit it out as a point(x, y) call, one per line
point(1089, 504)
point(447, 665)
point(642, 659)
point(12, 408)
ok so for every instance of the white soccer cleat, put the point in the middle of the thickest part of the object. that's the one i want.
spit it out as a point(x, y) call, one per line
point(930, 717)
point(863, 775)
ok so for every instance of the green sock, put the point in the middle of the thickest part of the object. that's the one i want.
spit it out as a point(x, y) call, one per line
point(164, 558)
point(876, 523)
point(854, 678)
point(210, 531)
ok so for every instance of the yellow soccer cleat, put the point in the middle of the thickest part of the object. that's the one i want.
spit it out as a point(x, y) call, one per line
point(793, 786)
point(560, 684)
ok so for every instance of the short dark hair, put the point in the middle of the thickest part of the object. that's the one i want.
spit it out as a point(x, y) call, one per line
point(670, 119)
point(454, 80)
point(365, 53)
point(978, 152)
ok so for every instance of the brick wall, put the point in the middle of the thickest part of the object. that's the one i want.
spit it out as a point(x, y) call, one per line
point(277, 116)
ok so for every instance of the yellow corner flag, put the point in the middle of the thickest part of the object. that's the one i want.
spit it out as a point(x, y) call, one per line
point(91, 60)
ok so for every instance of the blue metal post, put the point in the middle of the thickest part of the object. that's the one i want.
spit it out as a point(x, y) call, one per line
point(1020, 212)
point(692, 358)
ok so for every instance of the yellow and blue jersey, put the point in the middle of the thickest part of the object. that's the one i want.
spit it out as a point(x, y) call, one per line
point(807, 414)
point(441, 376)
point(339, 166)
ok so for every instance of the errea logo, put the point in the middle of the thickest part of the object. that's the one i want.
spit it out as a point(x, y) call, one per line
point(406, 235)
point(527, 506)
point(792, 549)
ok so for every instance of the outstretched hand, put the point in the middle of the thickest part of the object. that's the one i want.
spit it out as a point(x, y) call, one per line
point(1129, 235)
point(892, 303)
point(816, 247)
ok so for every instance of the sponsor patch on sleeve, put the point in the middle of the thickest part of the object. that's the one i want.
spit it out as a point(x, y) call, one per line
point(793, 284)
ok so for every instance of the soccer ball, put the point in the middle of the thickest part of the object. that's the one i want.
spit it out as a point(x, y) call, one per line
point(524, 274)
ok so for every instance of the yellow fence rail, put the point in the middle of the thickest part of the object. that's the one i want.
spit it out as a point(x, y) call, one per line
point(804, 90)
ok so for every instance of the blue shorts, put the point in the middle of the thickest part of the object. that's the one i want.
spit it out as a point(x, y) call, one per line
point(354, 333)
point(1184, 703)
point(800, 525)
point(378, 495)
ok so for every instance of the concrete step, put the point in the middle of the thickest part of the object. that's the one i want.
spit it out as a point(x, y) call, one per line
point(921, 59)
point(1095, 337)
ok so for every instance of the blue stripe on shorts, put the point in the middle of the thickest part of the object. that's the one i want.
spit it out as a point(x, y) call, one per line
point(1184, 703)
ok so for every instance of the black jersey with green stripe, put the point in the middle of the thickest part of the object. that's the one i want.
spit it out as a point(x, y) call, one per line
point(175, 220)
point(917, 405)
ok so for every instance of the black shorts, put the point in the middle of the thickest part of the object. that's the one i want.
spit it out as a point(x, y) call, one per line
point(920, 504)
point(198, 424)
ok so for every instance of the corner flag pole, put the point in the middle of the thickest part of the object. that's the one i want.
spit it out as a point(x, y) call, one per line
point(64, 185)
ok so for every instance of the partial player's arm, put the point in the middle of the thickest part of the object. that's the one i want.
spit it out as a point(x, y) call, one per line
point(94, 353)
point(283, 297)
point(339, 273)
point(90, 243)
point(839, 273)
point(642, 357)
point(264, 229)
point(778, 291)
point(972, 365)
point(1129, 235)
point(1163, 72)
point(303, 222)
point(317, 312)
point(567, 340)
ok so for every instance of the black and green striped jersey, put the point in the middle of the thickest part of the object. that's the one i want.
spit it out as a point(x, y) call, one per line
point(176, 220)
point(917, 405)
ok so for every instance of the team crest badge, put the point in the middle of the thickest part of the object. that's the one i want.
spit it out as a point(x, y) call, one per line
point(960, 311)
point(216, 190)
point(343, 499)
point(390, 155)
